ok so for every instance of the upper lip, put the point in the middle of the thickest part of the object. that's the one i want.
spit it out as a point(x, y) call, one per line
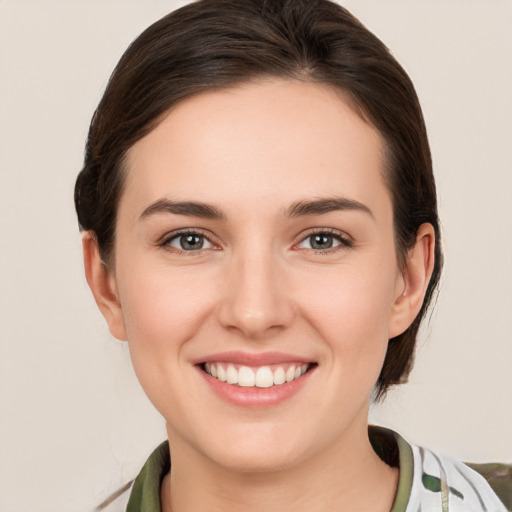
point(249, 359)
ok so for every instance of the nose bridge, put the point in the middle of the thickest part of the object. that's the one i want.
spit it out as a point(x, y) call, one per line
point(255, 300)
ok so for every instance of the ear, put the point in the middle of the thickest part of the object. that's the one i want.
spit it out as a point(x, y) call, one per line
point(413, 282)
point(102, 283)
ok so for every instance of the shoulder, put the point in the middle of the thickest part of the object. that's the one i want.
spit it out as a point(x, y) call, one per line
point(499, 477)
point(117, 501)
point(438, 478)
point(143, 493)
point(432, 481)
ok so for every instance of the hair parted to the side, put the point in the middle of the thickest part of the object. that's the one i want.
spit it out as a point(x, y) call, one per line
point(212, 44)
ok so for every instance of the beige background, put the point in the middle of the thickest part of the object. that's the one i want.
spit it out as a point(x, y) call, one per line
point(73, 422)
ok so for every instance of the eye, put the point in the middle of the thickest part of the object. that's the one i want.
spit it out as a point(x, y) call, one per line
point(188, 241)
point(324, 240)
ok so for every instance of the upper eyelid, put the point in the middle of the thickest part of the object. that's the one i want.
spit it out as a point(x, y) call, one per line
point(328, 231)
point(164, 243)
point(171, 235)
point(345, 241)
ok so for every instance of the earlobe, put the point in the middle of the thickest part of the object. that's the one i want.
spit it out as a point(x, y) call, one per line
point(413, 282)
point(103, 286)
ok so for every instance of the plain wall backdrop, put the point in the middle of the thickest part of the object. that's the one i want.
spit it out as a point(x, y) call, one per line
point(74, 423)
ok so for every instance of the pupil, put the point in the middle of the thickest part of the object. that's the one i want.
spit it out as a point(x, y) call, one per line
point(321, 242)
point(191, 242)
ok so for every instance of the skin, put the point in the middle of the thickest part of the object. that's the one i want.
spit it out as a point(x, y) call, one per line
point(258, 285)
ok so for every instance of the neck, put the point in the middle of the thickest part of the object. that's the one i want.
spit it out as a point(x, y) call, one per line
point(348, 476)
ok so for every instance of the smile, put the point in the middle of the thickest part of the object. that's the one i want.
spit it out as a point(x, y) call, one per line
point(259, 377)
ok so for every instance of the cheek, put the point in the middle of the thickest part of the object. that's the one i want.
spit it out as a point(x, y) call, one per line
point(353, 311)
point(162, 309)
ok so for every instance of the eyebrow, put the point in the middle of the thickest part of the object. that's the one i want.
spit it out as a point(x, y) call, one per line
point(191, 208)
point(325, 205)
point(298, 209)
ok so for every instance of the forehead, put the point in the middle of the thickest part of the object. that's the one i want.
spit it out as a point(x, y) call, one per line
point(272, 139)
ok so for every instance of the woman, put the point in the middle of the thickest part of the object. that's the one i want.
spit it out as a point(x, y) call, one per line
point(260, 224)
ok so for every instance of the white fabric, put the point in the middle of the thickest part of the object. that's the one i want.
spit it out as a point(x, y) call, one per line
point(462, 489)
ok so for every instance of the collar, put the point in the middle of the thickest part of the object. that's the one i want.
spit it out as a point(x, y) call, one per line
point(390, 446)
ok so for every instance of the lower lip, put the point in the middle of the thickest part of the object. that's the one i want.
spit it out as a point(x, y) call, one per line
point(254, 397)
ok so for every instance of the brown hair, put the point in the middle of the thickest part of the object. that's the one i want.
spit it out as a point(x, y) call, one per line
point(213, 44)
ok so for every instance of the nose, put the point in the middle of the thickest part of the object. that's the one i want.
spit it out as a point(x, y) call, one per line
point(256, 301)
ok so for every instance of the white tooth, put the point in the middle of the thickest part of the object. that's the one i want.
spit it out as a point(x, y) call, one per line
point(231, 375)
point(207, 368)
point(297, 372)
point(245, 377)
point(290, 374)
point(221, 373)
point(279, 376)
point(213, 369)
point(264, 377)
point(304, 369)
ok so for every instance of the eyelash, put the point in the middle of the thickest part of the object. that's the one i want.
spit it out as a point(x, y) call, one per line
point(165, 243)
point(345, 242)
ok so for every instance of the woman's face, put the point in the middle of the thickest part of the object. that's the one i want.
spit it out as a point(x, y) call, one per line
point(255, 234)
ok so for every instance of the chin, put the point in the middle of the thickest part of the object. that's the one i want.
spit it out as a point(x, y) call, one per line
point(255, 449)
point(257, 460)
